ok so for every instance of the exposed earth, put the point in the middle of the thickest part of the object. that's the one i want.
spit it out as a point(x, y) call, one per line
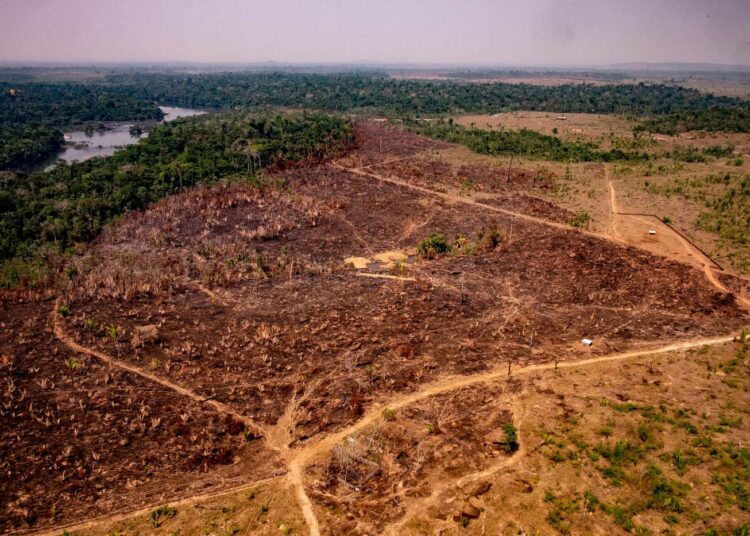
point(286, 358)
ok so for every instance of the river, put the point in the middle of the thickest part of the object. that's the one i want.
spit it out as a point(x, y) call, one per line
point(81, 145)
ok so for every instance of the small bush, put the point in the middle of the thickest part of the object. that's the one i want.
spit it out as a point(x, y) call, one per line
point(161, 514)
point(591, 501)
point(510, 438)
point(490, 240)
point(389, 414)
point(581, 220)
point(113, 331)
point(434, 246)
point(665, 493)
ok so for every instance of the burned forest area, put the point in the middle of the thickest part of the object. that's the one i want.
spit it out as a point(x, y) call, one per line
point(352, 330)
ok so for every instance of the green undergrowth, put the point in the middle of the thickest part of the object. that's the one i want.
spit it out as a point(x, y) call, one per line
point(524, 142)
point(485, 240)
point(678, 464)
point(725, 198)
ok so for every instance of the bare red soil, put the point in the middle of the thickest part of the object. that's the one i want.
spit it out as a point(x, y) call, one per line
point(79, 436)
point(369, 475)
point(251, 305)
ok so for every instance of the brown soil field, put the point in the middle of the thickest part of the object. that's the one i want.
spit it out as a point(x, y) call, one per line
point(220, 338)
point(606, 130)
point(80, 437)
point(642, 187)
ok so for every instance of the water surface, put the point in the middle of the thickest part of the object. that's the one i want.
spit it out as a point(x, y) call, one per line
point(83, 145)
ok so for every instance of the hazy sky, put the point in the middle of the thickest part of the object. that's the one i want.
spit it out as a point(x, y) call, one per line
point(572, 32)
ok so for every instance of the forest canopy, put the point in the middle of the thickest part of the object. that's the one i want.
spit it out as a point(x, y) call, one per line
point(522, 142)
point(52, 211)
point(346, 92)
point(31, 116)
point(134, 97)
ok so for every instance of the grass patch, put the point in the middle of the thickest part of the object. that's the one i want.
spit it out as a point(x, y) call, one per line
point(161, 514)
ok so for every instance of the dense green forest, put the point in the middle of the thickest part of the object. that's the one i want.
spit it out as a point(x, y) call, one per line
point(372, 92)
point(51, 211)
point(132, 97)
point(712, 120)
point(32, 114)
point(68, 104)
point(528, 143)
point(22, 145)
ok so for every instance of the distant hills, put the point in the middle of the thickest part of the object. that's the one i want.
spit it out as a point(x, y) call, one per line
point(680, 67)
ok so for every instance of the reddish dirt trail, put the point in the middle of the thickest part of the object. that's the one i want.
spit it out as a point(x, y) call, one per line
point(460, 199)
point(420, 506)
point(298, 459)
point(218, 406)
point(689, 249)
point(114, 518)
point(612, 236)
point(697, 257)
point(307, 454)
point(385, 276)
point(452, 383)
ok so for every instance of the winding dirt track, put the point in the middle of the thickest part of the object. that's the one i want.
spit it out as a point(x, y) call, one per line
point(459, 199)
point(612, 236)
point(298, 459)
point(701, 258)
point(188, 501)
point(218, 406)
point(420, 506)
point(305, 455)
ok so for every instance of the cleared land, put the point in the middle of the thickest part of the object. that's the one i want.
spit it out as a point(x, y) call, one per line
point(225, 338)
point(680, 182)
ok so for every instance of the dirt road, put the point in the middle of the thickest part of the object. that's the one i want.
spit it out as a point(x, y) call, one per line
point(297, 459)
point(218, 406)
point(634, 230)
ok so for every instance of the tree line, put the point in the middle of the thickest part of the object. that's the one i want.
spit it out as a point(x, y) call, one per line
point(524, 142)
point(47, 212)
point(32, 114)
point(372, 92)
point(132, 97)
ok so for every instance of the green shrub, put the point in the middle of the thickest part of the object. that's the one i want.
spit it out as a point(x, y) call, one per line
point(665, 493)
point(510, 438)
point(389, 414)
point(581, 220)
point(433, 246)
point(591, 500)
point(161, 514)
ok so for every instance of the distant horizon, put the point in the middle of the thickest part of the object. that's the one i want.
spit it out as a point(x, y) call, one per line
point(622, 66)
point(564, 33)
